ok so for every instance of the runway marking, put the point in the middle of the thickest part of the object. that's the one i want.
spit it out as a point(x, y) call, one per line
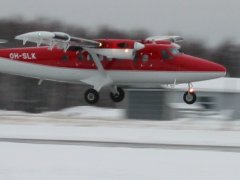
point(123, 144)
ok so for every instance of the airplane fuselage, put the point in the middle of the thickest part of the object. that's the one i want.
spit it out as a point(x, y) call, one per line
point(148, 67)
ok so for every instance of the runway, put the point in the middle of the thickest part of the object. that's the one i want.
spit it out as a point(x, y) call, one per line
point(123, 144)
point(63, 146)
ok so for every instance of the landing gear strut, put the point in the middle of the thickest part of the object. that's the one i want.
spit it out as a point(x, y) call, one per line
point(190, 96)
point(118, 96)
point(91, 96)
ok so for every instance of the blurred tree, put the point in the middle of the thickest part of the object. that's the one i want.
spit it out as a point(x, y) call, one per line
point(228, 54)
point(195, 48)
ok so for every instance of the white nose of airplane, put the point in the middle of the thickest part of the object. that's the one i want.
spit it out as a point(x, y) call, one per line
point(138, 46)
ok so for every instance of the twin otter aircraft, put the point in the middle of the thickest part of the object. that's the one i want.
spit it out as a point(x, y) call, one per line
point(112, 63)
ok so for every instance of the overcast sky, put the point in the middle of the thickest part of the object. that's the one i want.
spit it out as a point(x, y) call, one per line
point(210, 20)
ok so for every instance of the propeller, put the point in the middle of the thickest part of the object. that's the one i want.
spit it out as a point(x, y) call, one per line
point(137, 46)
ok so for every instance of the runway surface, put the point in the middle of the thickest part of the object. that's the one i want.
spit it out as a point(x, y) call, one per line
point(123, 144)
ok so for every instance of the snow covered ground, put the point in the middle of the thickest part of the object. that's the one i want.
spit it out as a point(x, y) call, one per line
point(88, 112)
point(54, 162)
point(72, 162)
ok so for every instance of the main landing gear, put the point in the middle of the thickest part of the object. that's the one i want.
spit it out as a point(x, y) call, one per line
point(190, 96)
point(92, 96)
point(118, 95)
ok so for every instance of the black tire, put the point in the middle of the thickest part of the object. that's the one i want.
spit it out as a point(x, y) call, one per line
point(189, 97)
point(91, 96)
point(118, 97)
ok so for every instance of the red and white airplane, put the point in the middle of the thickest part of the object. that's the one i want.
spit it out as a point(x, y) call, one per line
point(113, 63)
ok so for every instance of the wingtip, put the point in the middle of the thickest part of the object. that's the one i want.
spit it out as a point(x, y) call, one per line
point(19, 37)
point(3, 41)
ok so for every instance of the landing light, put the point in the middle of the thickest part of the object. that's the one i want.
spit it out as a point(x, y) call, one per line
point(191, 90)
point(126, 50)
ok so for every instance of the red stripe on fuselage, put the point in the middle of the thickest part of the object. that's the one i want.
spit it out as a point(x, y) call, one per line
point(82, 60)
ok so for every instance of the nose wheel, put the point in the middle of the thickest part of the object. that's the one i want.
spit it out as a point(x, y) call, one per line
point(190, 96)
point(91, 96)
point(118, 95)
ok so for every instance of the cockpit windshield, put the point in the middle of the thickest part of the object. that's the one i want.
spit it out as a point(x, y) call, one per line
point(175, 51)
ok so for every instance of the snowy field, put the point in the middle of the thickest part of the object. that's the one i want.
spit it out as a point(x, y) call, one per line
point(55, 162)
point(74, 162)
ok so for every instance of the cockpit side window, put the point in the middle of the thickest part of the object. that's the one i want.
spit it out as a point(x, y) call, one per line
point(166, 55)
point(175, 51)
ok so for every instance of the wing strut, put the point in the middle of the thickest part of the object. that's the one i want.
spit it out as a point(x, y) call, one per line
point(102, 78)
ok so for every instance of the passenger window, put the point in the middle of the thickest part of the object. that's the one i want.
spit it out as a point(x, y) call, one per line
point(145, 58)
point(80, 57)
point(101, 58)
point(108, 58)
point(165, 55)
point(89, 57)
point(135, 57)
point(123, 45)
point(65, 57)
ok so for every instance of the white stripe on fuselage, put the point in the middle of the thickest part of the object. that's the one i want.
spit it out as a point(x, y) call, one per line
point(119, 77)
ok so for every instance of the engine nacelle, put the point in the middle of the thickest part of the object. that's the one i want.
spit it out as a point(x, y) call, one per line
point(119, 49)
